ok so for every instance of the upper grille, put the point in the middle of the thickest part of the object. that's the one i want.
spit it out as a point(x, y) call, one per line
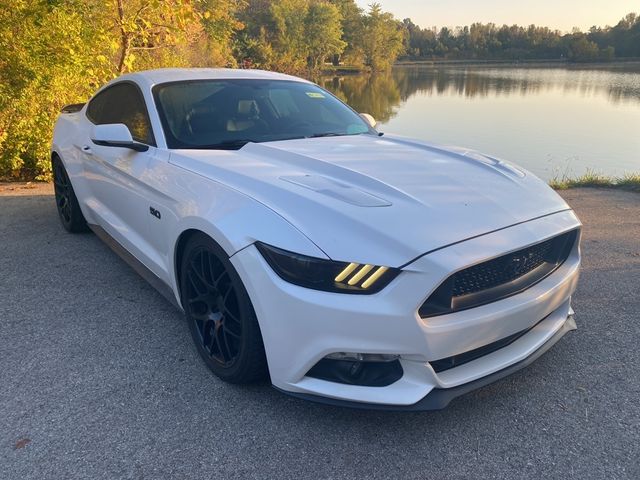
point(500, 277)
point(501, 270)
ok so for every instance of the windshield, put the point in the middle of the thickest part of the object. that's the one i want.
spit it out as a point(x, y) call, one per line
point(227, 114)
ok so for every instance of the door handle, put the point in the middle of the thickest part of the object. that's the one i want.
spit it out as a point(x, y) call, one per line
point(87, 149)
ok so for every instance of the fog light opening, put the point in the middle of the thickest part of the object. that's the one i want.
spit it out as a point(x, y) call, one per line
point(362, 369)
point(362, 357)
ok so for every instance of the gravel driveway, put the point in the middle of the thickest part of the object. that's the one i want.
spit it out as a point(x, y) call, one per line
point(99, 379)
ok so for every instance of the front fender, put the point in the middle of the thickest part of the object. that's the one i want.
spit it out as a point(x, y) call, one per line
point(236, 228)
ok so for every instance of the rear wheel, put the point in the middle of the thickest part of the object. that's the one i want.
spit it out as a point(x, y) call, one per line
point(221, 318)
point(66, 201)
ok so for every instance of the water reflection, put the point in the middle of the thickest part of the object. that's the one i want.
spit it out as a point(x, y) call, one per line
point(381, 94)
point(378, 95)
point(548, 120)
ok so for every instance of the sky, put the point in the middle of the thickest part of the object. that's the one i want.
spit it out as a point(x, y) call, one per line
point(556, 14)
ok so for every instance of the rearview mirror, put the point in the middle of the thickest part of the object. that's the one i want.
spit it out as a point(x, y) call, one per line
point(116, 135)
point(369, 119)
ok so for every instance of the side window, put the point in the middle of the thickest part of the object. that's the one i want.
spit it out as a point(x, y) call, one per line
point(122, 103)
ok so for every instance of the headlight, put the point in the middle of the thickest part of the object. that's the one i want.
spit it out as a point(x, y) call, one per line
point(327, 275)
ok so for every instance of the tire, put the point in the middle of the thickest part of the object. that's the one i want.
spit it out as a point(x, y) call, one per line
point(221, 318)
point(66, 201)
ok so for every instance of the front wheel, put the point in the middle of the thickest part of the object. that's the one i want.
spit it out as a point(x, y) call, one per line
point(66, 202)
point(221, 318)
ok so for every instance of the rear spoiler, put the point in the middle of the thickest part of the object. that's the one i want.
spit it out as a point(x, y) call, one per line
point(72, 108)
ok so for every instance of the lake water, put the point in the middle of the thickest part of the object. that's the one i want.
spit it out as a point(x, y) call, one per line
point(552, 121)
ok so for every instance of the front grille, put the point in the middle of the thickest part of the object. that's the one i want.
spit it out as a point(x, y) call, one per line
point(500, 277)
point(501, 270)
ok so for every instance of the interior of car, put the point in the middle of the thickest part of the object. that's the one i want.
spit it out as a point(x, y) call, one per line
point(206, 114)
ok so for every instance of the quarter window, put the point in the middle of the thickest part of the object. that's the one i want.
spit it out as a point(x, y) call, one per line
point(122, 103)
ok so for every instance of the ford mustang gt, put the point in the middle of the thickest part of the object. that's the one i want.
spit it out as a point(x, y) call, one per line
point(305, 246)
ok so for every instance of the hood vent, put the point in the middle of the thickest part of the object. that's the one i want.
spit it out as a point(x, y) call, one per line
point(336, 190)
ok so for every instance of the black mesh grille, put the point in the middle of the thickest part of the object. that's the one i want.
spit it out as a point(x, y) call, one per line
point(500, 277)
point(501, 270)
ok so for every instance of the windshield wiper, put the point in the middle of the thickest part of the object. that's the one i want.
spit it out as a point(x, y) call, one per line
point(326, 134)
point(236, 144)
point(334, 134)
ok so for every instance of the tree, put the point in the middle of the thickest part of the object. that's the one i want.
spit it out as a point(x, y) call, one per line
point(581, 49)
point(290, 35)
point(220, 22)
point(289, 17)
point(352, 29)
point(382, 39)
point(323, 32)
point(151, 25)
point(59, 51)
point(255, 40)
point(51, 55)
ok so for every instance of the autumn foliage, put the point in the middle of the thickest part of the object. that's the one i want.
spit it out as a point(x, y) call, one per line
point(55, 52)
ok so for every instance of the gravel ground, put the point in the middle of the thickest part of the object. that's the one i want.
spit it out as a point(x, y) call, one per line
point(98, 379)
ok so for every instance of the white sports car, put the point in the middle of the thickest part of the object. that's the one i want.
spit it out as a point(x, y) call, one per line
point(350, 267)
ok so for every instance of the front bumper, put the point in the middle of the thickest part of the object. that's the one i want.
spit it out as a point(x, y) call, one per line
point(301, 326)
point(439, 398)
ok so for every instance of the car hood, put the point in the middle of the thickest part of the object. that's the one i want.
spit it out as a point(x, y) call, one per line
point(382, 200)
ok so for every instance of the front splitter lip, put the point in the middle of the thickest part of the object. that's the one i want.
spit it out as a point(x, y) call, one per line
point(439, 398)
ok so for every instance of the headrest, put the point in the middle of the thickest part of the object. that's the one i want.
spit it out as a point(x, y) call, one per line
point(248, 108)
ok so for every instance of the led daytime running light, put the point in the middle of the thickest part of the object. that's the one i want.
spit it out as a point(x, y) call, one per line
point(360, 274)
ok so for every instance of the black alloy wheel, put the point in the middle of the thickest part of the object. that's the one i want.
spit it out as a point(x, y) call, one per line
point(66, 201)
point(221, 318)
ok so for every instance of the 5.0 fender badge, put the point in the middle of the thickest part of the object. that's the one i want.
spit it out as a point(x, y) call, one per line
point(155, 213)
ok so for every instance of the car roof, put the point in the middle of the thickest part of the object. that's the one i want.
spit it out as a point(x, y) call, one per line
point(150, 78)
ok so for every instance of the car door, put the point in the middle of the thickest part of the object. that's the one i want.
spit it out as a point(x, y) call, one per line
point(115, 175)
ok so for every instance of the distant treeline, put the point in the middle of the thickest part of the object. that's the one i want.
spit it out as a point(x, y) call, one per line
point(56, 52)
point(492, 42)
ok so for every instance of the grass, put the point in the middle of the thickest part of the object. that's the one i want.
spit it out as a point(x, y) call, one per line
point(630, 181)
point(592, 179)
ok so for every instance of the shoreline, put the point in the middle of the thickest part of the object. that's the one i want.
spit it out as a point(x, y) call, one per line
point(345, 70)
point(527, 62)
point(590, 179)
